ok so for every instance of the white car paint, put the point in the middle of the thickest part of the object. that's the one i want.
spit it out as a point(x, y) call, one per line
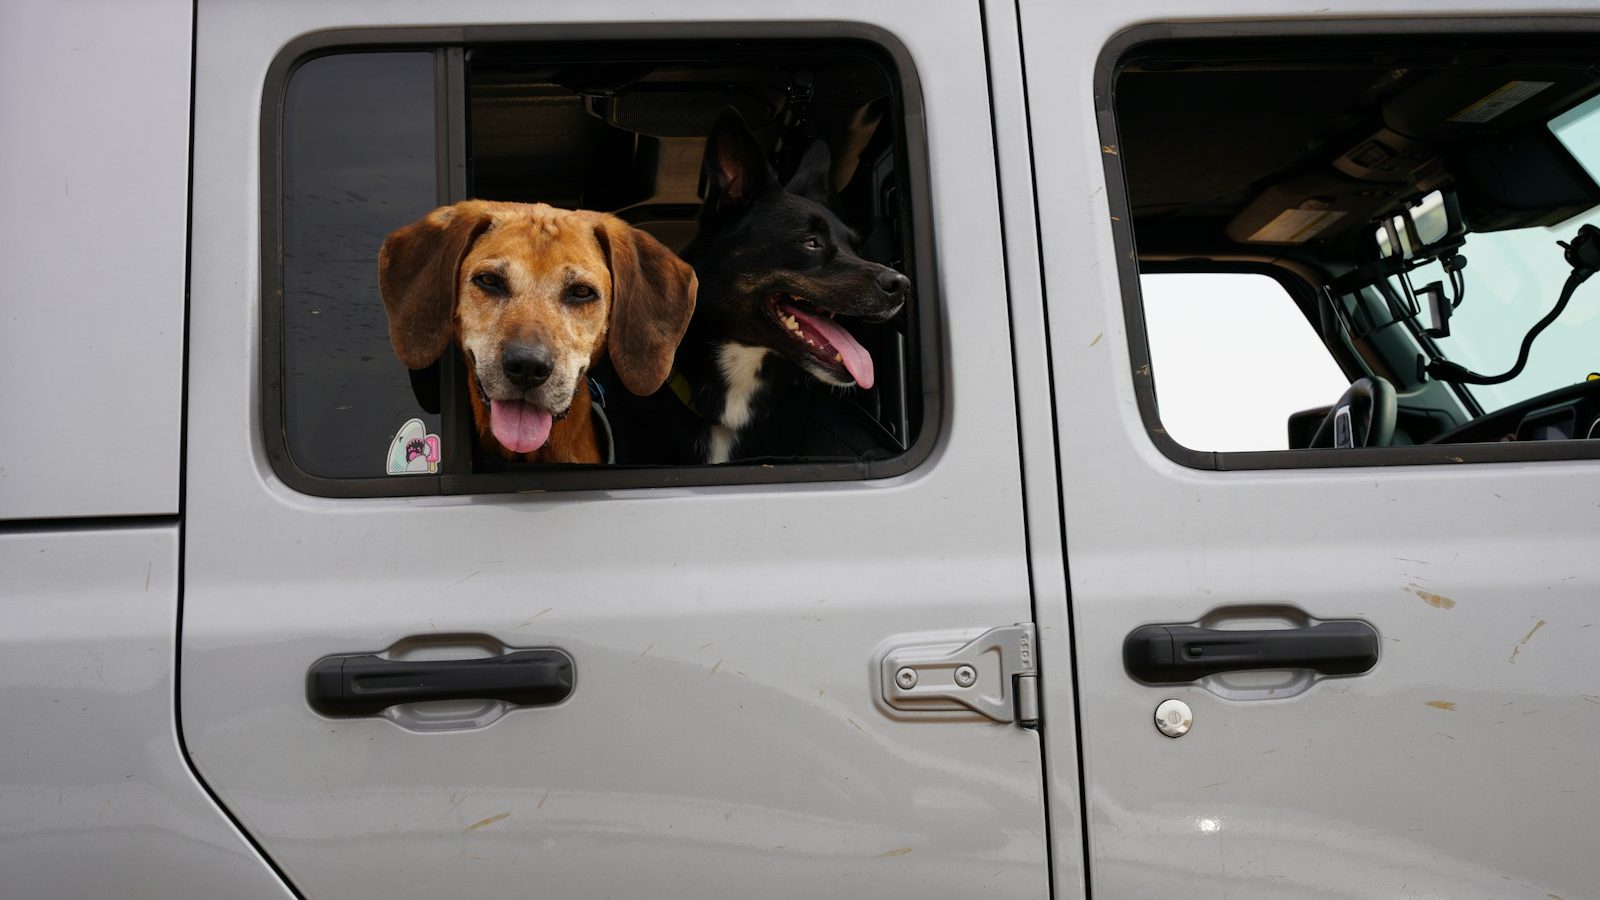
point(723, 740)
point(96, 796)
point(94, 182)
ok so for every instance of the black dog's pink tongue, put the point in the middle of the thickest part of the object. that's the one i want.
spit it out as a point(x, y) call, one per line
point(857, 361)
point(519, 427)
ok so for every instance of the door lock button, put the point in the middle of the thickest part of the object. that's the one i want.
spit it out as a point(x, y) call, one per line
point(1173, 718)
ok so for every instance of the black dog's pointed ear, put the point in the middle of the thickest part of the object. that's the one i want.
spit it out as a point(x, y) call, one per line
point(735, 170)
point(814, 178)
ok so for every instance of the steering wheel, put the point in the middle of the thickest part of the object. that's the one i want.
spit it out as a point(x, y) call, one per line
point(1363, 417)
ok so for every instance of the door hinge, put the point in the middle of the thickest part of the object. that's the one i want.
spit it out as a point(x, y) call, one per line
point(995, 675)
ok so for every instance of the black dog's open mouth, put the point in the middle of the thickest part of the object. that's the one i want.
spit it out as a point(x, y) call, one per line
point(824, 339)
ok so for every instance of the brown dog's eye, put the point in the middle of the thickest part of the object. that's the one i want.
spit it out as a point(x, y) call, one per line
point(813, 244)
point(580, 293)
point(490, 282)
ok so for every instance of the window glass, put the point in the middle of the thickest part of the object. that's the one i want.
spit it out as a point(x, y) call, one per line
point(1578, 130)
point(1513, 278)
point(373, 143)
point(358, 154)
point(1232, 357)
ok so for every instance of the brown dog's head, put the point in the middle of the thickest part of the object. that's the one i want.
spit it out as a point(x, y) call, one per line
point(532, 293)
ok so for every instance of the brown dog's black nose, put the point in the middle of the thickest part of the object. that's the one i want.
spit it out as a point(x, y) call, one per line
point(892, 283)
point(527, 365)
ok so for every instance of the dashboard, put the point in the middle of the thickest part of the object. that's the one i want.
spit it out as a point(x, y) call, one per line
point(1565, 414)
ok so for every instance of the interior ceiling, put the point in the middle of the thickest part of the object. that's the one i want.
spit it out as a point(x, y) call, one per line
point(609, 134)
point(1214, 150)
point(1197, 142)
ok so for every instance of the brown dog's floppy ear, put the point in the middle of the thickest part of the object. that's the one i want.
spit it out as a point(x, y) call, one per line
point(417, 272)
point(652, 298)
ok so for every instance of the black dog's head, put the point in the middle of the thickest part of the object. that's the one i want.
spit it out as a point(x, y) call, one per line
point(776, 265)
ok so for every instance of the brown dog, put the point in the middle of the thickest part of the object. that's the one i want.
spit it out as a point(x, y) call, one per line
point(533, 294)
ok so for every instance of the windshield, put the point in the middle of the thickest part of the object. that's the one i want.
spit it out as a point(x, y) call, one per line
point(1513, 278)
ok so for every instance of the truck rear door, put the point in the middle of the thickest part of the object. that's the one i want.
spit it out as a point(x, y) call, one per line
point(727, 726)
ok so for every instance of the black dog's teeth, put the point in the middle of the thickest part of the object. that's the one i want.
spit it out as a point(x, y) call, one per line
point(791, 324)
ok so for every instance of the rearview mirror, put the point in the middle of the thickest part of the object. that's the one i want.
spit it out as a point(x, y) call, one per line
point(1421, 230)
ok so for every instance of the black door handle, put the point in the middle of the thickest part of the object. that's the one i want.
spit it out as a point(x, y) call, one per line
point(1174, 654)
point(367, 684)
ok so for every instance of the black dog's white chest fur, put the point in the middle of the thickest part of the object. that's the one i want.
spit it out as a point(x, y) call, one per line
point(740, 367)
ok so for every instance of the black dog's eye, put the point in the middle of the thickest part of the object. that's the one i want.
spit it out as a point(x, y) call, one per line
point(813, 244)
point(490, 282)
point(580, 293)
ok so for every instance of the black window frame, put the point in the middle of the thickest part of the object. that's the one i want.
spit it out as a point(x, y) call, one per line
point(450, 44)
point(1115, 55)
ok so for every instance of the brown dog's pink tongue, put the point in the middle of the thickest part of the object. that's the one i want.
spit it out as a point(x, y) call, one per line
point(519, 427)
point(857, 361)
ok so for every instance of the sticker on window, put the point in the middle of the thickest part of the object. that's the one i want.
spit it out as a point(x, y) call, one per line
point(413, 451)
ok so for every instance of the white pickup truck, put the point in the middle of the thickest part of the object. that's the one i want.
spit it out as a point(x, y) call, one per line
point(1082, 598)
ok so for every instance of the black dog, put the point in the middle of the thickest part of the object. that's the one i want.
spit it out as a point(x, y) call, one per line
point(776, 267)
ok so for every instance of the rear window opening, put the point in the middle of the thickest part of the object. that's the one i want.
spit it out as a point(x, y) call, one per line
point(372, 141)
